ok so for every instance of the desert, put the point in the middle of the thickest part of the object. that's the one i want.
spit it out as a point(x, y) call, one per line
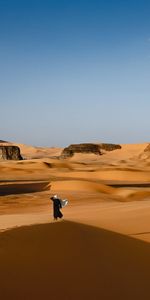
point(101, 248)
point(74, 150)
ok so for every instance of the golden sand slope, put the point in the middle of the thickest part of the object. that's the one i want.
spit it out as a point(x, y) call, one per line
point(66, 260)
point(79, 185)
point(30, 152)
point(119, 165)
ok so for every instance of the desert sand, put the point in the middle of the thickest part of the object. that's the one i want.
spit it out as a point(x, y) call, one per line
point(101, 250)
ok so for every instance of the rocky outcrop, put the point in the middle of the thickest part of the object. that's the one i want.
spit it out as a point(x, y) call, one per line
point(147, 149)
point(98, 149)
point(10, 153)
point(145, 155)
point(1, 142)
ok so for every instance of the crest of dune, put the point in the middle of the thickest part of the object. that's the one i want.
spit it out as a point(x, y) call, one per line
point(79, 185)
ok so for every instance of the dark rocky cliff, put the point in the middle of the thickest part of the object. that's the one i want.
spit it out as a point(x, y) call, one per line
point(10, 153)
point(1, 142)
point(97, 149)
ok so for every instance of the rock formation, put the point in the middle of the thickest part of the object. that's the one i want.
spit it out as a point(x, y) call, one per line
point(1, 142)
point(145, 155)
point(97, 149)
point(147, 149)
point(10, 153)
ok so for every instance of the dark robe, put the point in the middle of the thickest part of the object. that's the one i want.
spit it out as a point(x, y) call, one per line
point(56, 208)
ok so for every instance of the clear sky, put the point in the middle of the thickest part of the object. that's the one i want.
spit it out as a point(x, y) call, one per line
point(74, 71)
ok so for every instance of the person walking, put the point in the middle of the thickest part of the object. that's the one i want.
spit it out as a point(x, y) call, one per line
point(56, 207)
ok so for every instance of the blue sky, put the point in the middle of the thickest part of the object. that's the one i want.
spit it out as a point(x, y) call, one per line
point(74, 71)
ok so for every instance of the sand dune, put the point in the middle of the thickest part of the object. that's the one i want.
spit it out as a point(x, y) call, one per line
point(66, 260)
point(119, 165)
point(78, 185)
point(140, 195)
point(30, 152)
point(73, 259)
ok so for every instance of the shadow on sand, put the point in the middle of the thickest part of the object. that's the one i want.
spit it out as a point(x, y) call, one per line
point(22, 188)
point(71, 261)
